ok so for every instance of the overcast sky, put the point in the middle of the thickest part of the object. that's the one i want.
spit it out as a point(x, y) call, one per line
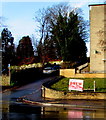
point(19, 14)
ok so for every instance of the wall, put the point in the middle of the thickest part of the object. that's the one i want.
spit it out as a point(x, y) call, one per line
point(4, 80)
point(71, 73)
point(67, 72)
point(50, 93)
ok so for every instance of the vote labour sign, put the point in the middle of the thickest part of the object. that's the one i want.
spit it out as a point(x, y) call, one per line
point(76, 84)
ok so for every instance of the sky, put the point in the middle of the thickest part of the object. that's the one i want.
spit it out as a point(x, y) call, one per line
point(19, 14)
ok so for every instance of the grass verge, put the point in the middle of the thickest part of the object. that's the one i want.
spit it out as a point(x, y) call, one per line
point(62, 85)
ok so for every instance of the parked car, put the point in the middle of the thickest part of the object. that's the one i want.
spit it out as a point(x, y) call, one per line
point(57, 67)
point(49, 70)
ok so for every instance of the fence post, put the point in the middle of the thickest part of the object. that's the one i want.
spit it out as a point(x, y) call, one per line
point(94, 86)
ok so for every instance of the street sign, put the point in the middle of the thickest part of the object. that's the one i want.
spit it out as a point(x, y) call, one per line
point(76, 84)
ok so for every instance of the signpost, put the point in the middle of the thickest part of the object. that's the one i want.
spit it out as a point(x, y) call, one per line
point(76, 84)
point(9, 69)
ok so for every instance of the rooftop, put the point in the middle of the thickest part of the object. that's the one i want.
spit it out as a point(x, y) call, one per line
point(97, 4)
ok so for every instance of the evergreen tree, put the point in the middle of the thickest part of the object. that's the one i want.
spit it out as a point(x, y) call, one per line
point(25, 48)
point(8, 49)
point(67, 32)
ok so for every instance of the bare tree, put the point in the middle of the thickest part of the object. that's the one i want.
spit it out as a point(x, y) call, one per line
point(2, 20)
point(56, 25)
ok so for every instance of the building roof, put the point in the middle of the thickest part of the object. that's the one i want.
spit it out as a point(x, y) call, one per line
point(97, 4)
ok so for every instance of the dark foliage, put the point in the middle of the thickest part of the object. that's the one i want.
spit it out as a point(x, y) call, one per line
point(8, 49)
point(26, 76)
point(25, 50)
point(63, 34)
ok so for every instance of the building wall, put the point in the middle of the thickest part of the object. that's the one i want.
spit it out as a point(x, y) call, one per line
point(97, 38)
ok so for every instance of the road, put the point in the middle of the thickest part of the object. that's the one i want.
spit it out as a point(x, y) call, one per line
point(13, 110)
point(10, 97)
point(25, 90)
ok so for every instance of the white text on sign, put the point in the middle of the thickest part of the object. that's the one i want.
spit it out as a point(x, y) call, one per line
point(76, 84)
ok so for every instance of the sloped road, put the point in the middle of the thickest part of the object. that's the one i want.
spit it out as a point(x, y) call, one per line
point(9, 97)
point(25, 90)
